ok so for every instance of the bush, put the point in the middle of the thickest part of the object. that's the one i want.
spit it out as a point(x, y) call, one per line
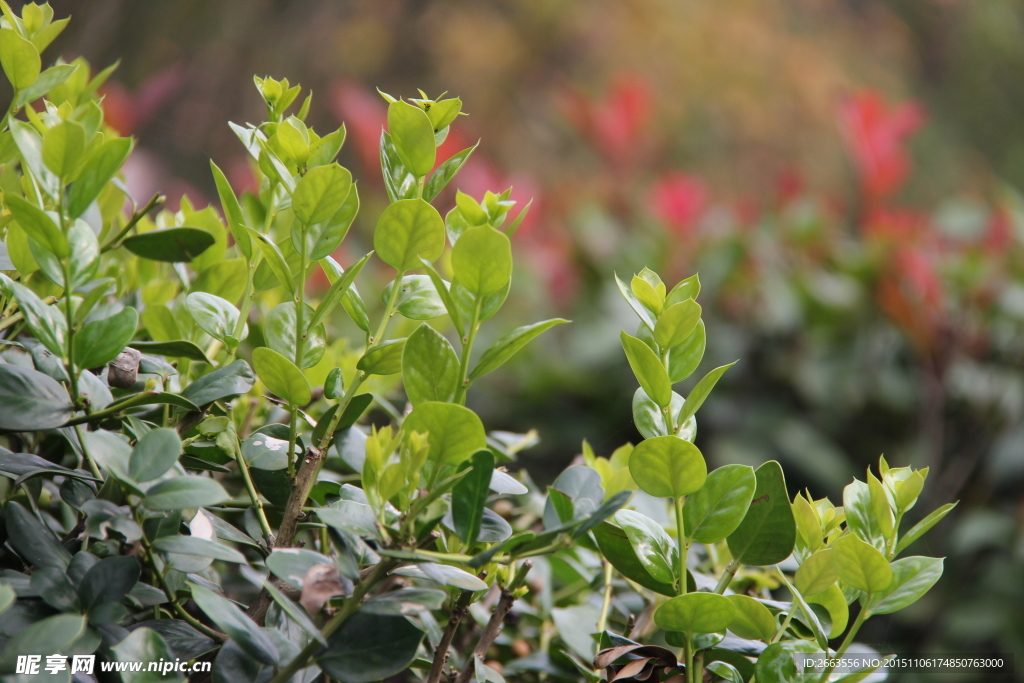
point(184, 432)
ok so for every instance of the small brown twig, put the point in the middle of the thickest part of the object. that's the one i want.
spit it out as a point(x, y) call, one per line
point(493, 627)
point(441, 654)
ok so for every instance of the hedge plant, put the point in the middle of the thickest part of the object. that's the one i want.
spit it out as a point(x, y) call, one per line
point(198, 467)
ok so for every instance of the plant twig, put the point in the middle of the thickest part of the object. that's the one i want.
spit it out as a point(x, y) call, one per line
point(154, 201)
point(493, 627)
point(727, 576)
point(441, 654)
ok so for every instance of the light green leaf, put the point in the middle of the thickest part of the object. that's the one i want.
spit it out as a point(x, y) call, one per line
point(279, 331)
point(912, 578)
point(340, 287)
point(430, 367)
point(20, 59)
point(653, 547)
point(418, 298)
point(751, 619)
point(413, 137)
point(99, 341)
point(667, 466)
point(448, 169)
point(834, 603)
point(649, 370)
point(860, 517)
point(45, 322)
point(38, 225)
point(860, 565)
point(409, 230)
point(275, 259)
point(232, 211)
point(455, 432)
point(767, 533)
point(62, 148)
point(97, 171)
point(502, 350)
point(676, 323)
point(881, 508)
point(47, 81)
point(816, 573)
point(320, 193)
point(695, 613)
point(919, 529)
point(701, 391)
point(383, 359)
point(714, 512)
point(281, 376)
point(215, 316)
point(184, 492)
point(616, 548)
point(482, 260)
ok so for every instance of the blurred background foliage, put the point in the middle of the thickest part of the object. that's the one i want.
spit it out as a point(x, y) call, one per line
point(843, 174)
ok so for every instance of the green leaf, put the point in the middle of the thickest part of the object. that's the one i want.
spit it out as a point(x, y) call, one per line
point(684, 359)
point(329, 235)
point(482, 260)
point(727, 672)
point(442, 290)
point(668, 466)
point(912, 578)
point(470, 495)
point(56, 590)
point(695, 613)
point(321, 193)
point(440, 178)
point(99, 341)
point(413, 137)
point(279, 331)
point(714, 512)
point(33, 541)
point(47, 81)
point(860, 565)
point(275, 260)
point(142, 645)
point(178, 348)
point(700, 392)
point(370, 647)
point(63, 146)
point(919, 529)
point(155, 453)
point(443, 112)
point(292, 564)
point(881, 508)
point(653, 547)
point(97, 171)
point(38, 225)
point(676, 323)
point(198, 547)
point(649, 370)
point(430, 368)
point(171, 245)
point(45, 322)
point(82, 261)
point(52, 635)
point(767, 533)
point(20, 59)
point(184, 492)
point(215, 316)
point(502, 350)
point(809, 617)
point(383, 359)
point(399, 182)
point(860, 517)
point(409, 230)
point(645, 315)
point(616, 548)
point(455, 432)
point(294, 612)
point(816, 573)
point(751, 619)
point(350, 516)
point(30, 144)
point(239, 627)
point(109, 580)
point(232, 211)
point(339, 288)
point(281, 376)
point(650, 421)
point(834, 603)
point(418, 298)
point(30, 400)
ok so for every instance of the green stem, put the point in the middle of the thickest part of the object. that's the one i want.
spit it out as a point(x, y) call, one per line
point(111, 410)
point(300, 343)
point(683, 546)
point(261, 516)
point(93, 467)
point(785, 624)
point(670, 423)
point(847, 641)
point(349, 608)
point(153, 202)
point(688, 658)
point(467, 350)
point(727, 576)
point(606, 604)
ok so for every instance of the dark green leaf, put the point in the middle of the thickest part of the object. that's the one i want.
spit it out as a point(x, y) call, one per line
point(30, 400)
point(232, 380)
point(173, 245)
point(184, 492)
point(232, 621)
point(470, 495)
point(34, 542)
point(109, 580)
point(369, 647)
point(175, 349)
point(155, 453)
point(99, 341)
point(714, 512)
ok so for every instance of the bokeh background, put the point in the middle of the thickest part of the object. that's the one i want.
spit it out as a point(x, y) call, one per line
point(844, 174)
